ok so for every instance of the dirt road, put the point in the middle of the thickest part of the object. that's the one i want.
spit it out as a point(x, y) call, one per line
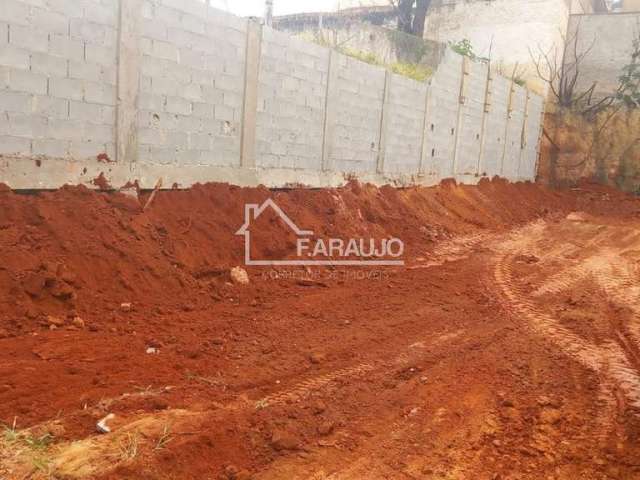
point(504, 350)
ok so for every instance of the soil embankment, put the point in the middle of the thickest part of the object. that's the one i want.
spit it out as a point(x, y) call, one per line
point(507, 347)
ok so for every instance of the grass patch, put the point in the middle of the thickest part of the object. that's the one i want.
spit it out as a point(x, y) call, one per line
point(24, 448)
point(129, 446)
point(417, 72)
point(164, 439)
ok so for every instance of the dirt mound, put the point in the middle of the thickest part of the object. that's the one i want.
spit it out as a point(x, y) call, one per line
point(80, 253)
point(110, 308)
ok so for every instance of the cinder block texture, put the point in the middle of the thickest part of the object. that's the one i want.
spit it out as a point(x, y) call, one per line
point(192, 84)
point(442, 117)
point(188, 102)
point(292, 88)
point(471, 115)
point(513, 142)
point(495, 126)
point(532, 131)
point(404, 121)
point(54, 54)
point(358, 98)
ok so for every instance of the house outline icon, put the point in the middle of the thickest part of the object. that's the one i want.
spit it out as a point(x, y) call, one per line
point(253, 210)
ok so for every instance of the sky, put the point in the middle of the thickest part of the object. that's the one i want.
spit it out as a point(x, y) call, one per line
point(280, 7)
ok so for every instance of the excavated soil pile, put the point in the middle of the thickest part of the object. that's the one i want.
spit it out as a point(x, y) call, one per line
point(79, 252)
point(508, 346)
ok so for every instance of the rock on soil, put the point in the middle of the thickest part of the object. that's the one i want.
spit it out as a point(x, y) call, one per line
point(78, 322)
point(550, 416)
point(55, 321)
point(283, 440)
point(239, 276)
point(576, 217)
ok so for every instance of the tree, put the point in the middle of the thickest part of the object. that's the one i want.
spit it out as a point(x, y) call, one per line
point(561, 70)
point(411, 15)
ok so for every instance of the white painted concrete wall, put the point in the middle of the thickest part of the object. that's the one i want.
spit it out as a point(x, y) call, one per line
point(609, 39)
point(206, 96)
point(505, 30)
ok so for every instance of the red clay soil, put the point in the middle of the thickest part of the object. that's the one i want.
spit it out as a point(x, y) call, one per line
point(303, 379)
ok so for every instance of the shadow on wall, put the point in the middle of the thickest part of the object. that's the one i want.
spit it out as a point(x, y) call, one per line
point(605, 148)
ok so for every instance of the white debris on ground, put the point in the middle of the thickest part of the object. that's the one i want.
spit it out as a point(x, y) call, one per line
point(102, 426)
point(239, 276)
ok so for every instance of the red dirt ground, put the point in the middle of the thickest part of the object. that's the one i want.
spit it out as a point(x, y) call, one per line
point(471, 362)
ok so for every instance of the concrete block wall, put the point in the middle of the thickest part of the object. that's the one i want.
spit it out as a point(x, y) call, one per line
point(58, 66)
point(292, 91)
point(514, 135)
point(496, 114)
point(443, 106)
point(531, 138)
point(404, 125)
point(179, 92)
point(471, 115)
point(358, 98)
point(191, 93)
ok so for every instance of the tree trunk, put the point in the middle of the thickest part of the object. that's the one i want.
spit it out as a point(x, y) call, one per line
point(422, 7)
point(405, 15)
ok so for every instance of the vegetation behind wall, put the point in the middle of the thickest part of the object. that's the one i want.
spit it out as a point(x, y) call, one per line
point(588, 134)
point(604, 148)
point(404, 54)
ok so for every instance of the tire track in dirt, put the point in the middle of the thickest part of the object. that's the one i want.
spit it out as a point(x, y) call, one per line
point(95, 448)
point(360, 466)
point(618, 278)
point(454, 249)
point(546, 327)
point(303, 389)
point(608, 361)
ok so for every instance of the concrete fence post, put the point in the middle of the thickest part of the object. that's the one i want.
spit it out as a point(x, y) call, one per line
point(425, 135)
point(331, 102)
point(538, 143)
point(488, 99)
point(128, 89)
point(250, 105)
point(462, 100)
point(384, 117)
point(523, 133)
point(506, 127)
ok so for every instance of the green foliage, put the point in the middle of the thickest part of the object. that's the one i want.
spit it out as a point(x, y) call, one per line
point(10, 435)
point(407, 47)
point(365, 57)
point(519, 81)
point(465, 48)
point(629, 90)
point(414, 71)
point(38, 443)
point(411, 70)
point(417, 72)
